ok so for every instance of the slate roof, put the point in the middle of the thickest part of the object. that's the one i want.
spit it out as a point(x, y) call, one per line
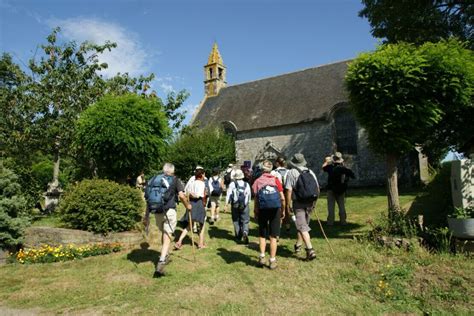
point(296, 97)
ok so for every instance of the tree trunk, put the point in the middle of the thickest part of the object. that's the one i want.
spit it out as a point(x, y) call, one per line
point(55, 182)
point(392, 184)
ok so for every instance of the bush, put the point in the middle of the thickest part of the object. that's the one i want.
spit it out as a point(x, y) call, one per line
point(13, 210)
point(101, 206)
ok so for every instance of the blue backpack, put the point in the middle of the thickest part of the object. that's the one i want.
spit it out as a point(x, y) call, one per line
point(238, 197)
point(157, 193)
point(216, 187)
point(269, 197)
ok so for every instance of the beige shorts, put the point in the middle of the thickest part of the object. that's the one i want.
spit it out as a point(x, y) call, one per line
point(166, 222)
point(215, 200)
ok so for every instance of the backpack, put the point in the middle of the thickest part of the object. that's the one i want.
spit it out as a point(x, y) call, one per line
point(216, 187)
point(269, 197)
point(306, 187)
point(238, 197)
point(157, 193)
point(227, 178)
point(282, 172)
point(338, 180)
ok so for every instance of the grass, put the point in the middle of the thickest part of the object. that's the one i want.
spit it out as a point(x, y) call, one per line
point(225, 279)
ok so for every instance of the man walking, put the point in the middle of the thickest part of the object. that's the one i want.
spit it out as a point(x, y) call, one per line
point(302, 189)
point(269, 203)
point(238, 196)
point(161, 195)
point(338, 177)
point(280, 172)
point(215, 187)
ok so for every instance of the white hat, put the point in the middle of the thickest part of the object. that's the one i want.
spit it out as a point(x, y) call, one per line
point(337, 158)
point(238, 175)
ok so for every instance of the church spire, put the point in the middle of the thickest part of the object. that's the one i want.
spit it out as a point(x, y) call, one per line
point(214, 73)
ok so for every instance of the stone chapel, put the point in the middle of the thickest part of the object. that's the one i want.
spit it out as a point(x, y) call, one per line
point(306, 111)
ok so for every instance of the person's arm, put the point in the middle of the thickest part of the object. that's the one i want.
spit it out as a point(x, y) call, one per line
point(288, 198)
point(185, 201)
point(227, 196)
point(350, 173)
point(283, 205)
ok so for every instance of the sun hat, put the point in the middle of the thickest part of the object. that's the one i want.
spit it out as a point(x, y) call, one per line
point(238, 175)
point(230, 165)
point(297, 161)
point(198, 167)
point(267, 166)
point(337, 158)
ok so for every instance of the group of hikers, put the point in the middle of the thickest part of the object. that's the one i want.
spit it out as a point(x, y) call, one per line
point(281, 195)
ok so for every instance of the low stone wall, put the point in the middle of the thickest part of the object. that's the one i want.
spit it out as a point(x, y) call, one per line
point(37, 236)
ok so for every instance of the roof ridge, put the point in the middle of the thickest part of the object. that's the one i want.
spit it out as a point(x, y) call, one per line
point(287, 73)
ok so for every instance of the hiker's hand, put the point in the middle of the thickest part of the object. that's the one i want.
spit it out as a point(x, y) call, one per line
point(146, 221)
point(282, 216)
point(189, 207)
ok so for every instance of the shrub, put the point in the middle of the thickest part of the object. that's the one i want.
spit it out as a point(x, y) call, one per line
point(101, 206)
point(13, 210)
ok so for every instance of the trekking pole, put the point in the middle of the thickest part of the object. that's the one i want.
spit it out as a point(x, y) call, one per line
point(324, 234)
point(192, 233)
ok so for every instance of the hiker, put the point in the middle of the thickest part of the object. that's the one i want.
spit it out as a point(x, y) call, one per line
point(161, 195)
point(238, 196)
point(216, 187)
point(338, 177)
point(280, 172)
point(302, 189)
point(269, 203)
point(190, 184)
point(196, 190)
point(228, 175)
point(140, 182)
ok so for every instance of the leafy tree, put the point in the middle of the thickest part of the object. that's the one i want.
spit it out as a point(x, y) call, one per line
point(13, 210)
point(401, 94)
point(123, 134)
point(420, 21)
point(209, 147)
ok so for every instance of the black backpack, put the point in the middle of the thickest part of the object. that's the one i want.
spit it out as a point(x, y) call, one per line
point(227, 178)
point(306, 187)
point(216, 187)
point(237, 197)
point(338, 180)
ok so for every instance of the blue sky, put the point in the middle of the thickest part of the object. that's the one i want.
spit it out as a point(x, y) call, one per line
point(257, 39)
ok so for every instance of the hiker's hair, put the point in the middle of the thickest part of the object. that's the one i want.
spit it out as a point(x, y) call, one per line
point(199, 173)
point(267, 166)
point(168, 168)
point(281, 162)
point(215, 171)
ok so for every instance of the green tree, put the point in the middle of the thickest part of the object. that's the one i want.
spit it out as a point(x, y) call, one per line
point(123, 134)
point(13, 210)
point(402, 93)
point(209, 147)
point(420, 21)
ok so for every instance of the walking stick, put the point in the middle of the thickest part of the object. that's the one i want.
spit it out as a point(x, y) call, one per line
point(192, 234)
point(324, 234)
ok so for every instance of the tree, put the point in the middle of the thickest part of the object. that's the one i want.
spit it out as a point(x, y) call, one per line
point(420, 21)
point(402, 93)
point(209, 147)
point(123, 135)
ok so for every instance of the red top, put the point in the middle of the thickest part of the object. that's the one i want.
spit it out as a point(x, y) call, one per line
point(266, 179)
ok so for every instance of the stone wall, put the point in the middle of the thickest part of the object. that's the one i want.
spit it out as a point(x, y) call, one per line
point(315, 140)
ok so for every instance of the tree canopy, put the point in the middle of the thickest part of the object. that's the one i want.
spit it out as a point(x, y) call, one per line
point(420, 21)
point(123, 135)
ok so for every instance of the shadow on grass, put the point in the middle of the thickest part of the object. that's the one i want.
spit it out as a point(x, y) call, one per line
point(219, 233)
point(144, 254)
point(234, 256)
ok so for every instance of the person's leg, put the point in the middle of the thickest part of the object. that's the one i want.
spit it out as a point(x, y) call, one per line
point(244, 221)
point(201, 235)
point(218, 203)
point(274, 233)
point(262, 233)
point(331, 205)
point(340, 199)
point(167, 227)
point(213, 210)
point(235, 221)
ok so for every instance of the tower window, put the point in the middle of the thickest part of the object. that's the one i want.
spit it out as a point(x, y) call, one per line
point(221, 73)
point(210, 73)
point(346, 132)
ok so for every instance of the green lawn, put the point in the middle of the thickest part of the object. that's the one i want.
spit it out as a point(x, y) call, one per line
point(358, 279)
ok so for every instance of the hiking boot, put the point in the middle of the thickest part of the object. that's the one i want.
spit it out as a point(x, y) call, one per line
point(261, 261)
point(310, 254)
point(160, 269)
point(245, 239)
point(211, 221)
point(273, 265)
point(297, 248)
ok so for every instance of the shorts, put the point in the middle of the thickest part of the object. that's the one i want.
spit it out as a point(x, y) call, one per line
point(167, 221)
point(269, 222)
point(302, 219)
point(215, 199)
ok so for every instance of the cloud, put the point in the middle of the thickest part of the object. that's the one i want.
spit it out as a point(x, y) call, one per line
point(129, 55)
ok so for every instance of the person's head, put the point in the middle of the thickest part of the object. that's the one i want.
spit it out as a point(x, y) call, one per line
point(297, 161)
point(230, 166)
point(337, 158)
point(238, 175)
point(215, 171)
point(199, 173)
point(267, 166)
point(280, 162)
point(168, 169)
point(142, 173)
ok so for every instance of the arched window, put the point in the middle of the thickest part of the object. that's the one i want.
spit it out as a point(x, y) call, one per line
point(346, 132)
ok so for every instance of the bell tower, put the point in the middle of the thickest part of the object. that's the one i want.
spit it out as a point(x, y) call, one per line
point(214, 73)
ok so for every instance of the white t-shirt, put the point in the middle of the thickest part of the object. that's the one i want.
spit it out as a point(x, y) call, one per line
point(231, 188)
point(195, 187)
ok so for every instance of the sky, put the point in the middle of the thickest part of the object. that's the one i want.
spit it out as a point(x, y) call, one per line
point(172, 39)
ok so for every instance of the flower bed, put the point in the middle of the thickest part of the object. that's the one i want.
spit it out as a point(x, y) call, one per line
point(47, 253)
